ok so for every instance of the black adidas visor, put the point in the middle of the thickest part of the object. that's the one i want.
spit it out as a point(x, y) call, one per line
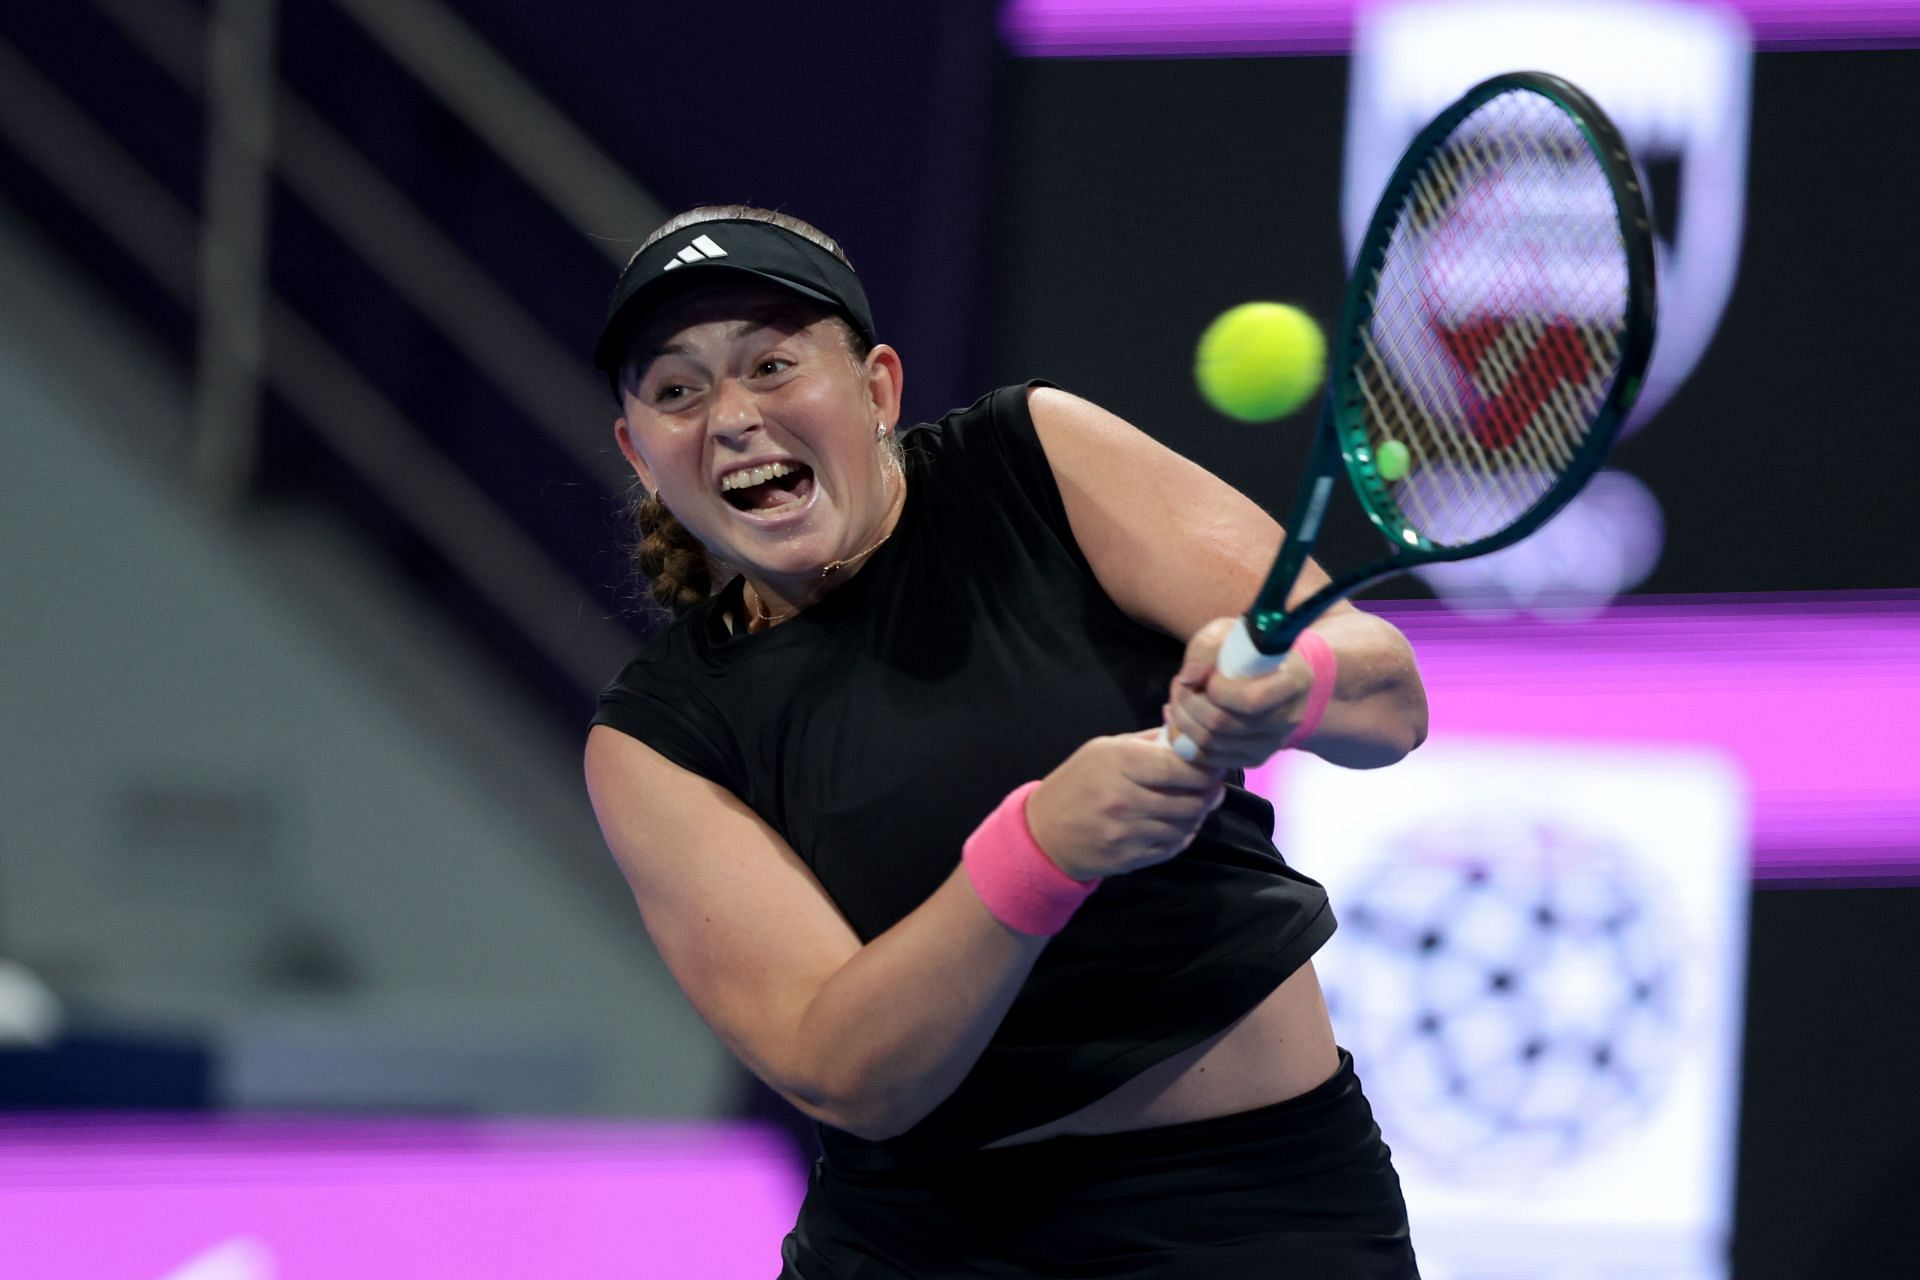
point(699, 253)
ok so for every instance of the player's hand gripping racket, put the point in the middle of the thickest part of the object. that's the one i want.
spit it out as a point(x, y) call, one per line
point(1493, 337)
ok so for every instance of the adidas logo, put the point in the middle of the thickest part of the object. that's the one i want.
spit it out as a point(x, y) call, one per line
point(699, 251)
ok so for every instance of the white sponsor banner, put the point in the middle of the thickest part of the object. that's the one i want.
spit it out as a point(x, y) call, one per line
point(1539, 970)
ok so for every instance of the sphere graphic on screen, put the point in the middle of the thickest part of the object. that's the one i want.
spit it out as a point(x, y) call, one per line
point(1511, 993)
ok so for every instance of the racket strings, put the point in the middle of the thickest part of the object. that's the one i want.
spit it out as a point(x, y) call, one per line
point(1498, 314)
point(1516, 363)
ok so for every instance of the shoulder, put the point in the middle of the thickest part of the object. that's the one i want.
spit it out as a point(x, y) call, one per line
point(669, 646)
point(1172, 544)
point(1060, 416)
point(990, 451)
point(997, 424)
point(658, 699)
point(988, 458)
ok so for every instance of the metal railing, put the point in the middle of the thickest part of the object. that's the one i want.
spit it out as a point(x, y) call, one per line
point(249, 337)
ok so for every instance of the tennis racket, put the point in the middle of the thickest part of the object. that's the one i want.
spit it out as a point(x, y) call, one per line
point(1493, 337)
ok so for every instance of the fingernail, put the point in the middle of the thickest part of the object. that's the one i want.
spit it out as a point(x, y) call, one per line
point(1186, 749)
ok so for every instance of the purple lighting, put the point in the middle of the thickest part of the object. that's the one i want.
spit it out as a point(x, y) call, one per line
point(281, 1199)
point(1143, 28)
point(1813, 698)
point(1248, 28)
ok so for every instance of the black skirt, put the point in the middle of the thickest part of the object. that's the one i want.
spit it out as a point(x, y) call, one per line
point(1302, 1188)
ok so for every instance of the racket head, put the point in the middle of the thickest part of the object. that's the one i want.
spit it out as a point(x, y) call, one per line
point(1498, 320)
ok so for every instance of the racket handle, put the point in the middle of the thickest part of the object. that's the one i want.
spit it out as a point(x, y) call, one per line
point(1240, 657)
point(1184, 748)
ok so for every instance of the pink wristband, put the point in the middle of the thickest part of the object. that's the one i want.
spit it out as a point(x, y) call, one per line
point(1313, 646)
point(1013, 875)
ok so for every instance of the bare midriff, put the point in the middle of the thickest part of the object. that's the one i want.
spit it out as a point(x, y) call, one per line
point(1279, 1049)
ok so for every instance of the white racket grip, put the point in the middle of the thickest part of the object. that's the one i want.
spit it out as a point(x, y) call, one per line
point(1185, 748)
point(1240, 657)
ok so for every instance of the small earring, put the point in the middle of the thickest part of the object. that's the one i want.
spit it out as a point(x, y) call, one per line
point(879, 431)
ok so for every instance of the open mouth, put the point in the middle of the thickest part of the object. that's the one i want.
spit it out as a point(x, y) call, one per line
point(770, 489)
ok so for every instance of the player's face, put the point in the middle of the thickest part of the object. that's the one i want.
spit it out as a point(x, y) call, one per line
point(747, 413)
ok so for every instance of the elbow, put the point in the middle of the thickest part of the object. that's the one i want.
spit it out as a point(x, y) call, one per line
point(1402, 727)
point(1407, 728)
point(880, 1128)
point(868, 1121)
point(872, 1114)
point(878, 1115)
point(830, 1079)
point(1415, 724)
point(1388, 714)
point(1391, 730)
point(1412, 701)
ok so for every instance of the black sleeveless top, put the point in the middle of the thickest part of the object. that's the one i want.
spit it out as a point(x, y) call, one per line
point(973, 652)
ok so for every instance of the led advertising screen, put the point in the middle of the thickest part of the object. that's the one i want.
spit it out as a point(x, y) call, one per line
point(1541, 961)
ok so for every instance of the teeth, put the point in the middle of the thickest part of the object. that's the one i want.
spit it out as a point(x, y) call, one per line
point(758, 475)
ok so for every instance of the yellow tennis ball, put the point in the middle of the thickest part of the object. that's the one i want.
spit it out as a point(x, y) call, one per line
point(1260, 361)
point(1393, 460)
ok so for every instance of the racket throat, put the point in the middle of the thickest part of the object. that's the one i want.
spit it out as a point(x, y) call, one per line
point(1316, 512)
point(1273, 628)
point(1271, 624)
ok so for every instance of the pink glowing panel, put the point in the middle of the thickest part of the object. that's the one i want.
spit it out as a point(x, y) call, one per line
point(1815, 699)
point(1142, 28)
point(221, 1199)
point(1230, 28)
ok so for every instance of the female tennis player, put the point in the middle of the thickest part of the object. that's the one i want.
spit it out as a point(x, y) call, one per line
point(889, 796)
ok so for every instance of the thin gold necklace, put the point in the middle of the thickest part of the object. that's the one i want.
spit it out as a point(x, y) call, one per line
point(758, 618)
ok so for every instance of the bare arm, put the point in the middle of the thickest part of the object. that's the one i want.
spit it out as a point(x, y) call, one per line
point(865, 1038)
point(1177, 548)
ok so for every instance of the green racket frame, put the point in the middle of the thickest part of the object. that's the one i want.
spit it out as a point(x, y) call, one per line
point(1341, 438)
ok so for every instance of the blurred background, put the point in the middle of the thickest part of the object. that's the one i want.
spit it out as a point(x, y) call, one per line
point(312, 561)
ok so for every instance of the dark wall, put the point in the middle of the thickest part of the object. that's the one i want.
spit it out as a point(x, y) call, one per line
point(1144, 197)
point(1829, 1175)
point(1788, 461)
point(869, 119)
